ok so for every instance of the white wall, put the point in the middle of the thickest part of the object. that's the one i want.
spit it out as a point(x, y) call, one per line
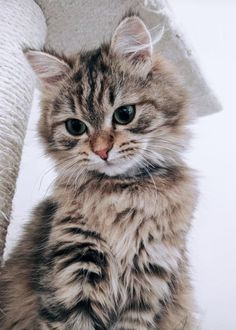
point(211, 28)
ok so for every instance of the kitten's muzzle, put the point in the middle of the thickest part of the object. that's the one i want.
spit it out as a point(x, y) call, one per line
point(101, 144)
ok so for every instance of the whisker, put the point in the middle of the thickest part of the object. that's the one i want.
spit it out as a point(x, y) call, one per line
point(54, 167)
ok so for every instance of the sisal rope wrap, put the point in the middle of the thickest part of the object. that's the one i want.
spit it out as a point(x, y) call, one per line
point(22, 25)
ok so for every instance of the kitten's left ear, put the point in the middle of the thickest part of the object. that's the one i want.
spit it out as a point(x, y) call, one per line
point(132, 40)
point(48, 68)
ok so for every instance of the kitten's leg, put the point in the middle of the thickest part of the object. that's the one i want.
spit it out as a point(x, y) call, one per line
point(180, 313)
point(145, 291)
point(158, 299)
point(175, 315)
point(137, 315)
point(80, 284)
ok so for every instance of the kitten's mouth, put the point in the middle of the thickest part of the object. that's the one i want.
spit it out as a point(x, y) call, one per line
point(113, 167)
point(109, 162)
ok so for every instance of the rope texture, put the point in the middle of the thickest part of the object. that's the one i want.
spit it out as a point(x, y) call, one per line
point(22, 25)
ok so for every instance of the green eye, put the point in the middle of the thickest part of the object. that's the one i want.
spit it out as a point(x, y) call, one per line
point(75, 127)
point(124, 115)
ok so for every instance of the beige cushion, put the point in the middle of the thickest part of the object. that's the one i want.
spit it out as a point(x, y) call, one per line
point(83, 24)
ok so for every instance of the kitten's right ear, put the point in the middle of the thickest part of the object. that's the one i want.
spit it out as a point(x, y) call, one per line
point(48, 68)
point(132, 40)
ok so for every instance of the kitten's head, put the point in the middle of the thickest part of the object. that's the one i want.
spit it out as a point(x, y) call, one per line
point(117, 110)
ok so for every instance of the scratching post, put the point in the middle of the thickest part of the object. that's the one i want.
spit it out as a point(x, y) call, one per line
point(22, 25)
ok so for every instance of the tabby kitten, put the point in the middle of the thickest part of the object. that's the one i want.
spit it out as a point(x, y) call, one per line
point(108, 249)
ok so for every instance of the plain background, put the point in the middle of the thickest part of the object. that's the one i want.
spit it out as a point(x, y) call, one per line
point(210, 27)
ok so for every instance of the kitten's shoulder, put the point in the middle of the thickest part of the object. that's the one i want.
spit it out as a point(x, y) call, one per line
point(36, 233)
point(19, 274)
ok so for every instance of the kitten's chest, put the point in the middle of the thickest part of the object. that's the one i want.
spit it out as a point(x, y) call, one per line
point(123, 220)
point(133, 226)
point(134, 232)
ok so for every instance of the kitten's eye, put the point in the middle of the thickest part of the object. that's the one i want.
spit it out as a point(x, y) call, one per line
point(124, 115)
point(75, 127)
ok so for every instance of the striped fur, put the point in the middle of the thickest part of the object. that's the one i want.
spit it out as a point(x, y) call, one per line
point(108, 249)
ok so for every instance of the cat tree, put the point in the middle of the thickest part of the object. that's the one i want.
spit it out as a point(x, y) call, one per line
point(72, 25)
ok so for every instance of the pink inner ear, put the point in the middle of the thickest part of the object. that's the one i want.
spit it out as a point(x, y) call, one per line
point(47, 67)
point(53, 79)
point(132, 39)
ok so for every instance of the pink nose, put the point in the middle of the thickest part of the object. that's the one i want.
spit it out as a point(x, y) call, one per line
point(102, 153)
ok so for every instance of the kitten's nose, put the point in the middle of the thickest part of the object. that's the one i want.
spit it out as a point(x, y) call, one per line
point(102, 153)
point(101, 144)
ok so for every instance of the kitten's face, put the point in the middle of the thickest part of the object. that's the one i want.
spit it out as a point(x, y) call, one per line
point(110, 111)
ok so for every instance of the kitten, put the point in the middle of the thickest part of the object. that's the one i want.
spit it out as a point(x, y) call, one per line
point(108, 249)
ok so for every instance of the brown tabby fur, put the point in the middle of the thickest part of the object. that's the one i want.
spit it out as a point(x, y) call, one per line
point(108, 249)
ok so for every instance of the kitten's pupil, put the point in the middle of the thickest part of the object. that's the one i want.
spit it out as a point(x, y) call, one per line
point(75, 127)
point(124, 115)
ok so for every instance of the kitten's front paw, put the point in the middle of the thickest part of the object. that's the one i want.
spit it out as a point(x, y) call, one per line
point(82, 279)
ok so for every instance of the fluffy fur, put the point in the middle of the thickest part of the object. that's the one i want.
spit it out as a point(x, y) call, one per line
point(108, 249)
